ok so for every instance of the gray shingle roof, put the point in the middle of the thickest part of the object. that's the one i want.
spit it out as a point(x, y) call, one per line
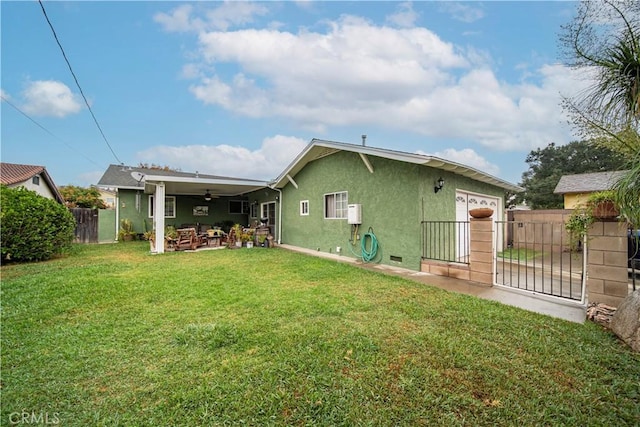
point(587, 182)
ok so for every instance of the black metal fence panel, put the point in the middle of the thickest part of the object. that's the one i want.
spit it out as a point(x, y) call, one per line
point(540, 258)
point(446, 241)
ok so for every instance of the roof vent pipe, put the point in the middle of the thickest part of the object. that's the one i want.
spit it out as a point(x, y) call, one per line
point(364, 140)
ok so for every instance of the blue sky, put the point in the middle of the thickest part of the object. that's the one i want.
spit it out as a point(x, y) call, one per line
point(239, 88)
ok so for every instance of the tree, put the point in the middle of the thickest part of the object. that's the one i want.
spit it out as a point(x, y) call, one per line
point(603, 42)
point(153, 166)
point(79, 197)
point(547, 165)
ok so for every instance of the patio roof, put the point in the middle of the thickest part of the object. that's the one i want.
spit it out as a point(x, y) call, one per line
point(176, 182)
point(318, 148)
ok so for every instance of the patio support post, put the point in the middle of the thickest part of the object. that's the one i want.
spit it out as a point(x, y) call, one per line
point(158, 217)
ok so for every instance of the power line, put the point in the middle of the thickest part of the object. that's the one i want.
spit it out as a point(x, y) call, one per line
point(46, 130)
point(77, 84)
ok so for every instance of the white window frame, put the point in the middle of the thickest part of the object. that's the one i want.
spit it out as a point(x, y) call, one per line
point(338, 212)
point(253, 210)
point(35, 180)
point(167, 199)
point(304, 207)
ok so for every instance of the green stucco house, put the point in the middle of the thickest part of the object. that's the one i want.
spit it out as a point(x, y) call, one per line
point(387, 193)
point(333, 197)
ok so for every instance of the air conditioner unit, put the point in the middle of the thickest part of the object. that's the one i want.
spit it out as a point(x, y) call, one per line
point(354, 214)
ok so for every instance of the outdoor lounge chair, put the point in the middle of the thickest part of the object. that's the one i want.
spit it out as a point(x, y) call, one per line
point(189, 239)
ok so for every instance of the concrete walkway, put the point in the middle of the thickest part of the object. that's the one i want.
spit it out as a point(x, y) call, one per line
point(555, 307)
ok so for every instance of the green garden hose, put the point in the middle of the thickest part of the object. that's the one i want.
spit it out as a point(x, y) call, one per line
point(368, 255)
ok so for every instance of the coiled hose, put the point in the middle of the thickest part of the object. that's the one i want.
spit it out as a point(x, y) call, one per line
point(369, 255)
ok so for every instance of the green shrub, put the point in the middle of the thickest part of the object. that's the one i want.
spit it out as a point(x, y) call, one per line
point(34, 228)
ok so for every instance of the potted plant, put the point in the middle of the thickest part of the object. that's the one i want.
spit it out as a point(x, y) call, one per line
point(602, 204)
point(599, 205)
point(151, 237)
point(235, 235)
point(170, 234)
point(247, 237)
point(126, 232)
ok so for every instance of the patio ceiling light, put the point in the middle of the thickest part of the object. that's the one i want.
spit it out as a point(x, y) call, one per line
point(207, 196)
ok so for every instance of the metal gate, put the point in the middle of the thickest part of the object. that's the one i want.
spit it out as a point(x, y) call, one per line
point(86, 225)
point(539, 258)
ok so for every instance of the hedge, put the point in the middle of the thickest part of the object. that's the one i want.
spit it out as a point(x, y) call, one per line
point(33, 228)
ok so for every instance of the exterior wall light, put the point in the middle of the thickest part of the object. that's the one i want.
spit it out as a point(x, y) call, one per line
point(438, 185)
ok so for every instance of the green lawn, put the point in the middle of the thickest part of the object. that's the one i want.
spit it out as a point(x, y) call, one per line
point(111, 335)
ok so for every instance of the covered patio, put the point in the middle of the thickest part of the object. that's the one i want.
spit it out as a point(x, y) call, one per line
point(207, 187)
point(189, 200)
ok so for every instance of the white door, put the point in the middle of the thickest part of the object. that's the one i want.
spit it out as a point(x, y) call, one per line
point(268, 211)
point(465, 201)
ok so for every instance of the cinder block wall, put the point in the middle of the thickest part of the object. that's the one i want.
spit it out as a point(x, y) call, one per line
point(607, 280)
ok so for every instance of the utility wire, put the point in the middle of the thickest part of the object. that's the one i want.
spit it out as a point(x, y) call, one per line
point(77, 84)
point(46, 130)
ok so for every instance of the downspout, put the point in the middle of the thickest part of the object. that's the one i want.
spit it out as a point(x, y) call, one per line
point(279, 217)
point(117, 213)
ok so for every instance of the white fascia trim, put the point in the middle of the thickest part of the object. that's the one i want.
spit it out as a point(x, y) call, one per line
point(194, 180)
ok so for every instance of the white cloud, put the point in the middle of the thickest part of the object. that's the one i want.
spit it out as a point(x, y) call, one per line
point(405, 17)
point(467, 157)
point(49, 98)
point(462, 11)
point(179, 20)
point(223, 17)
point(264, 163)
point(358, 73)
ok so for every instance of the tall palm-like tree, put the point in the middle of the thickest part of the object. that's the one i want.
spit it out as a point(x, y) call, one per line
point(603, 42)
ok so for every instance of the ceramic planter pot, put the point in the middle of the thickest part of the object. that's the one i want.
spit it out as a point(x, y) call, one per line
point(605, 209)
point(481, 212)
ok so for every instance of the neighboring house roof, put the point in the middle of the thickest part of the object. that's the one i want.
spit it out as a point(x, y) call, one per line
point(318, 148)
point(15, 173)
point(185, 183)
point(587, 182)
